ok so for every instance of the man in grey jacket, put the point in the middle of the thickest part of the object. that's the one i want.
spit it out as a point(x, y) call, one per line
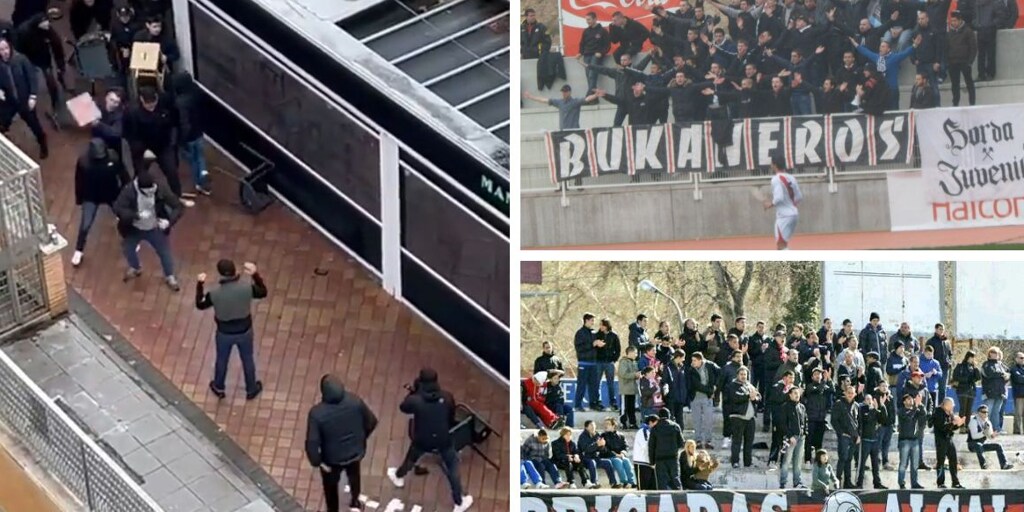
point(145, 211)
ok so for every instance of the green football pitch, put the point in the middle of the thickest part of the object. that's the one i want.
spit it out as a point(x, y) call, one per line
point(988, 247)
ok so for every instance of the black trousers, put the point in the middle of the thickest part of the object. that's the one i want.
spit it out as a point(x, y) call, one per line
point(776, 446)
point(573, 467)
point(742, 433)
point(869, 448)
point(815, 437)
point(9, 109)
point(955, 71)
point(676, 408)
point(166, 160)
point(966, 405)
point(946, 452)
point(620, 116)
point(667, 473)
point(629, 416)
point(987, 52)
point(645, 477)
point(333, 478)
point(726, 421)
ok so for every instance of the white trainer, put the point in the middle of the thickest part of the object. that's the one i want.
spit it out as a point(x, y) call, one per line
point(393, 476)
point(467, 501)
point(76, 259)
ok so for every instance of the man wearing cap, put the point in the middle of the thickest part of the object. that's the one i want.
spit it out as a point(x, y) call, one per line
point(872, 336)
point(873, 373)
point(568, 107)
point(946, 424)
point(980, 430)
point(663, 447)
point(912, 421)
point(146, 211)
point(896, 363)
point(786, 196)
point(942, 351)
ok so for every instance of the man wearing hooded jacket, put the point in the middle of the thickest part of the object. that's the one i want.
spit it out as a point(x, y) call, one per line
point(433, 415)
point(336, 434)
point(18, 94)
point(99, 177)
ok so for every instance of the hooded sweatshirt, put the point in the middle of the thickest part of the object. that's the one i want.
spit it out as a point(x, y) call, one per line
point(337, 427)
point(433, 413)
point(186, 100)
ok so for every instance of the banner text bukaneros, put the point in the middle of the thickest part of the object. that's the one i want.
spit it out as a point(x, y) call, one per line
point(998, 500)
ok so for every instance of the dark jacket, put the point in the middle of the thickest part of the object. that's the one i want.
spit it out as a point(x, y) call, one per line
point(873, 376)
point(993, 381)
point(735, 398)
point(338, 426)
point(666, 441)
point(561, 450)
point(943, 425)
point(961, 45)
point(637, 337)
point(584, 343)
point(875, 102)
point(677, 388)
point(816, 398)
point(615, 442)
point(99, 175)
point(110, 127)
point(587, 444)
point(631, 36)
point(18, 79)
point(189, 111)
point(41, 47)
point(870, 420)
point(965, 378)
point(872, 339)
point(912, 423)
point(595, 40)
point(693, 384)
point(641, 109)
point(943, 351)
point(433, 415)
point(547, 362)
point(122, 34)
point(1017, 380)
point(792, 419)
point(532, 38)
point(25, 9)
point(82, 16)
point(846, 418)
point(612, 349)
point(126, 207)
point(150, 130)
point(168, 46)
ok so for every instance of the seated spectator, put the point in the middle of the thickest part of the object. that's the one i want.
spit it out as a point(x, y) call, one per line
point(705, 465)
point(823, 478)
point(537, 450)
point(592, 446)
point(978, 431)
point(534, 407)
point(554, 399)
point(615, 445)
point(567, 458)
point(688, 465)
point(528, 476)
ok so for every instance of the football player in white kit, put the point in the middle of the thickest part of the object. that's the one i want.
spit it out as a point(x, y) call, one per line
point(785, 198)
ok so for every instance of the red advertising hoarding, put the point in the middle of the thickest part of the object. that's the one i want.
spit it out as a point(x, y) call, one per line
point(573, 13)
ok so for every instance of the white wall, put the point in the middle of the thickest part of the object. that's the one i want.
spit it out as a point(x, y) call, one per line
point(988, 299)
point(897, 291)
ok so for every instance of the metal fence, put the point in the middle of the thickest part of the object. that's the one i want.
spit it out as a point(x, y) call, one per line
point(63, 449)
point(23, 228)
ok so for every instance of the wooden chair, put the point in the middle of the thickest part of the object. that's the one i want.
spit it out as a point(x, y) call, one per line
point(145, 67)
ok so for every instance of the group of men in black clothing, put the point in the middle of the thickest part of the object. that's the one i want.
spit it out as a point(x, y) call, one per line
point(865, 386)
point(790, 57)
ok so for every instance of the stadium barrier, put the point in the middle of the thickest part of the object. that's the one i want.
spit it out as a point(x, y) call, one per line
point(63, 449)
point(779, 501)
point(569, 386)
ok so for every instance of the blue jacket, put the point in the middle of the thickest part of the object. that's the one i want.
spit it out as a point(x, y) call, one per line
point(677, 390)
point(1017, 380)
point(928, 365)
point(896, 364)
point(888, 65)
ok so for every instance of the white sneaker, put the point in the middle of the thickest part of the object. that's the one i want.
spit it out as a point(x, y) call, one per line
point(76, 259)
point(393, 476)
point(726, 443)
point(572, 486)
point(467, 501)
point(543, 485)
point(592, 485)
point(188, 203)
point(525, 486)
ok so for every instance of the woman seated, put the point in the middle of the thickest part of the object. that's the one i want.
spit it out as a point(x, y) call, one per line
point(705, 465)
point(567, 458)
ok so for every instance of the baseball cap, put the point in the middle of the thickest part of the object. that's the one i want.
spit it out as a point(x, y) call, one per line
point(566, 88)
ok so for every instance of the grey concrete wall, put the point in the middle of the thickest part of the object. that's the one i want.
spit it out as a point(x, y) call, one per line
point(660, 213)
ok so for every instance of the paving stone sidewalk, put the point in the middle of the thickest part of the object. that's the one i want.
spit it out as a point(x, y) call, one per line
point(175, 463)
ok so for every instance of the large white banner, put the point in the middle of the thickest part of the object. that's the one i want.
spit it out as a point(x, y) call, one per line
point(972, 162)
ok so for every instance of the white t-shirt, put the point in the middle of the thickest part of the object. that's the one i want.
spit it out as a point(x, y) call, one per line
point(786, 195)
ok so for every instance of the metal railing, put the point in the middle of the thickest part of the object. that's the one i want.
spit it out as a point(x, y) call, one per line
point(23, 228)
point(63, 449)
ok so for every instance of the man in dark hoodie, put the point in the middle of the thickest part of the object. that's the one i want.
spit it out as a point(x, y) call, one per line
point(433, 415)
point(629, 33)
point(190, 128)
point(336, 433)
point(663, 447)
point(18, 94)
point(846, 422)
point(638, 333)
point(232, 307)
point(872, 337)
point(149, 126)
point(146, 210)
point(85, 12)
point(25, 9)
point(594, 45)
point(122, 35)
point(37, 40)
point(99, 178)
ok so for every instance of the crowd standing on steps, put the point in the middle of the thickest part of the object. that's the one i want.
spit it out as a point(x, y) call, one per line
point(810, 387)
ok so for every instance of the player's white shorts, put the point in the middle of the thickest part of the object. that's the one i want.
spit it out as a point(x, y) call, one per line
point(785, 226)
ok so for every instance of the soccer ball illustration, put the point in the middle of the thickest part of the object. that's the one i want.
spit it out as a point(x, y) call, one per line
point(842, 501)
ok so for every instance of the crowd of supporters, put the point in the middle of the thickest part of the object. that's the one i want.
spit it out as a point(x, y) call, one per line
point(878, 394)
point(762, 58)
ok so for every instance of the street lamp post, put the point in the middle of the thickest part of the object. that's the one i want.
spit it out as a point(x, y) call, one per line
point(647, 286)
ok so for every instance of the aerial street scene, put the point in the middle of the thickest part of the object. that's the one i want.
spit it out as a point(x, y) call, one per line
point(254, 255)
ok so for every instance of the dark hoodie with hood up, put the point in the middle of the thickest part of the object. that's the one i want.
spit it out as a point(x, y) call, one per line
point(338, 426)
point(433, 412)
point(99, 175)
point(186, 101)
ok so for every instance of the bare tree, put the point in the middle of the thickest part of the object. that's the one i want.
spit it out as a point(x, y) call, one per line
point(732, 289)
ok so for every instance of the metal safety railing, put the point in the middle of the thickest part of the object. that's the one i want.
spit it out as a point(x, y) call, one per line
point(63, 449)
point(23, 228)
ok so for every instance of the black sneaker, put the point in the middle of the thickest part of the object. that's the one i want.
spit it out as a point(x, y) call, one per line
point(957, 486)
point(219, 392)
point(254, 394)
point(916, 487)
point(1007, 466)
